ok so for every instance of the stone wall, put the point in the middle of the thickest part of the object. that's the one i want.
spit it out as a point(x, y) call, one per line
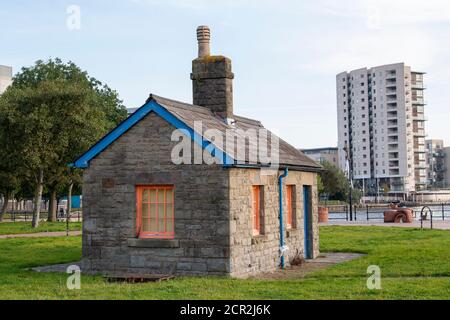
point(251, 255)
point(142, 156)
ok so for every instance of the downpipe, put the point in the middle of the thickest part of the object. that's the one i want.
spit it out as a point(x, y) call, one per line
point(283, 248)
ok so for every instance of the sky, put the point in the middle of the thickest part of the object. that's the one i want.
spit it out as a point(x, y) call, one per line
point(285, 53)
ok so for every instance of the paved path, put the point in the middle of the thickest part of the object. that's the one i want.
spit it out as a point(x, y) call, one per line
point(324, 261)
point(437, 224)
point(60, 268)
point(41, 235)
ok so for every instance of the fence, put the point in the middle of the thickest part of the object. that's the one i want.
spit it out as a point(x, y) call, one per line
point(376, 212)
point(75, 216)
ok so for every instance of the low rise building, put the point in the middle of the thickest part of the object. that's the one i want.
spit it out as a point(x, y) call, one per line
point(323, 155)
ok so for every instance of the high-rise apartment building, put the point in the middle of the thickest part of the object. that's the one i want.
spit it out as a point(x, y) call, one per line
point(381, 128)
point(5, 77)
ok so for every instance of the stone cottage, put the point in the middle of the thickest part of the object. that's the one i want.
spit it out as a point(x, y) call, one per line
point(147, 212)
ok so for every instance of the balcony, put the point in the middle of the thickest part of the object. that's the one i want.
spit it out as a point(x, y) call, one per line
point(418, 86)
point(419, 149)
point(419, 133)
point(418, 102)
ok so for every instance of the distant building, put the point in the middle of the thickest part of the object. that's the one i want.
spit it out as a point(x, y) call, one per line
point(381, 127)
point(5, 78)
point(446, 152)
point(322, 155)
point(435, 157)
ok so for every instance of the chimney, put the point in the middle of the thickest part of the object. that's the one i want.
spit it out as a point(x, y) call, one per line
point(212, 78)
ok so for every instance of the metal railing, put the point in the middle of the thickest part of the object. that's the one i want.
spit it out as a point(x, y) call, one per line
point(438, 211)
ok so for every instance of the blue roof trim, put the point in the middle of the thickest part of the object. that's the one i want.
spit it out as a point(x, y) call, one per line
point(151, 106)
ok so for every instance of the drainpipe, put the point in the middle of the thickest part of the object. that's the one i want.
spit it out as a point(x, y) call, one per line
point(280, 185)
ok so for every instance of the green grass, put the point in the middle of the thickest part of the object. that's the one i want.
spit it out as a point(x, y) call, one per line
point(415, 264)
point(8, 228)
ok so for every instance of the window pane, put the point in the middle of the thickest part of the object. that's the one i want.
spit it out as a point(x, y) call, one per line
point(145, 195)
point(153, 195)
point(153, 226)
point(170, 225)
point(169, 211)
point(161, 196)
point(145, 220)
point(161, 225)
point(169, 196)
point(169, 216)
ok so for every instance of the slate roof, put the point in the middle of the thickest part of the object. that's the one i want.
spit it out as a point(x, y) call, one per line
point(288, 155)
point(183, 116)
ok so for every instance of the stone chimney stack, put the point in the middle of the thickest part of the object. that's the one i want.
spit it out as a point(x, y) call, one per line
point(212, 78)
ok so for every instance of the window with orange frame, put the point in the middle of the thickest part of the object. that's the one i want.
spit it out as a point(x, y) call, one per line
point(257, 210)
point(290, 203)
point(155, 212)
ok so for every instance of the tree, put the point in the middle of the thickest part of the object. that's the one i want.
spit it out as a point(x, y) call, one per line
point(335, 184)
point(56, 112)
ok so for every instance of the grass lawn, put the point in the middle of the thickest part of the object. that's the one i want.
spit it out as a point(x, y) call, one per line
point(415, 264)
point(7, 228)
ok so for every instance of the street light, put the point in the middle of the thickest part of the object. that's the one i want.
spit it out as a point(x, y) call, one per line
point(350, 176)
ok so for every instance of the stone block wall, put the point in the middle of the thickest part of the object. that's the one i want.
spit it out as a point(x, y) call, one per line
point(142, 156)
point(252, 255)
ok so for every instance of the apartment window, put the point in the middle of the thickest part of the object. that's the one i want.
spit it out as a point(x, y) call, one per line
point(258, 209)
point(155, 212)
point(363, 124)
point(290, 200)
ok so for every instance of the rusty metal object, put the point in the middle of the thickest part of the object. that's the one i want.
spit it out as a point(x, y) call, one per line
point(399, 215)
point(323, 215)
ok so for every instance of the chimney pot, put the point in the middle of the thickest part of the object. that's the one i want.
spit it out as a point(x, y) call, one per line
point(212, 78)
point(203, 37)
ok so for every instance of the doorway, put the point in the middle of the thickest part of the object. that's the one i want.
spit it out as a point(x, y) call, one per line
point(307, 214)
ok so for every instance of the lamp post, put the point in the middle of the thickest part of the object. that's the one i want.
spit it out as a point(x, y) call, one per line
point(350, 184)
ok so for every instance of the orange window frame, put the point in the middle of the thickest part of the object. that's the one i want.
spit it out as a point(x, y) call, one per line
point(256, 210)
point(290, 207)
point(159, 234)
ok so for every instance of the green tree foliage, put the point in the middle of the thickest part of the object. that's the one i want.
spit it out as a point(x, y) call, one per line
point(334, 183)
point(55, 112)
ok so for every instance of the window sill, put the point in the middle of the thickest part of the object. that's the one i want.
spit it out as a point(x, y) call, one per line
point(153, 243)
